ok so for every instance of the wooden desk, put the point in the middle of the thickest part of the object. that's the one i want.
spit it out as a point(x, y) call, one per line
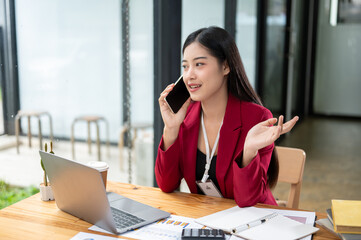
point(32, 218)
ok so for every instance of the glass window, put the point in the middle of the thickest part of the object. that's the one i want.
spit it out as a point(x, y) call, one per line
point(345, 12)
point(246, 32)
point(337, 73)
point(273, 82)
point(69, 55)
point(141, 61)
point(201, 13)
point(70, 64)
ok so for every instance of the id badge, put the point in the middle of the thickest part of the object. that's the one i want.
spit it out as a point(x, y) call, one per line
point(208, 188)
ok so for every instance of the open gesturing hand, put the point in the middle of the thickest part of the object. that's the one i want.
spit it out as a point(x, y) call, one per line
point(264, 134)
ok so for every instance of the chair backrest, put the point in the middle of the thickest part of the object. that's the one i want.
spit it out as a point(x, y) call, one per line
point(291, 166)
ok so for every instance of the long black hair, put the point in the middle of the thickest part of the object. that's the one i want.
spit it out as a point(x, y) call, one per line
point(222, 46)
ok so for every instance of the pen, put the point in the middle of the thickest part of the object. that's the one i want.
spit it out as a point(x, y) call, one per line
point(251, 224)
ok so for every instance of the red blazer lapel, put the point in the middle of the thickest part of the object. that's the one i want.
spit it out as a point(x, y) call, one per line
point(229, 136)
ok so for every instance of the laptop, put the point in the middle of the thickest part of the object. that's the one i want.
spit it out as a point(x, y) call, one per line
point(79, 190)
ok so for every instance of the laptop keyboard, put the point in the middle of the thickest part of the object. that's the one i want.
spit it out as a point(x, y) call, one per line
point(123, 219)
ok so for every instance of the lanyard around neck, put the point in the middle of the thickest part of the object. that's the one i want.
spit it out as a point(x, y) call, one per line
point(209, 157)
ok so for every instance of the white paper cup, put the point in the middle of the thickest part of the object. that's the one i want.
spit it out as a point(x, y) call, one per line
point(102, 167)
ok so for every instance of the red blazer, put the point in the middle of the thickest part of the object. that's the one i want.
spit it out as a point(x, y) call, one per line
point(247, 185)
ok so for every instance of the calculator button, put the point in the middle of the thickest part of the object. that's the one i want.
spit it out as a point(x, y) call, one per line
point(205, 234)
point(187, 232)
point(195, 232)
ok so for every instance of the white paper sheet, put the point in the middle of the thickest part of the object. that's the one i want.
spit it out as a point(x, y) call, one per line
point(91, 236)
point(277, 228)
point(286, 224)
point(300, 216)
point(166, 229)
point(233, 217)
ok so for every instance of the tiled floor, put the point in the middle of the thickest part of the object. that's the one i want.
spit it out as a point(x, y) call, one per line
point(333, 161)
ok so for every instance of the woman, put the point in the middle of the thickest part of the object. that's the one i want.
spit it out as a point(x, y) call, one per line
point(225, 126)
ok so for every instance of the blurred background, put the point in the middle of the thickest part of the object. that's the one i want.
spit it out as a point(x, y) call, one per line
point(92, 71)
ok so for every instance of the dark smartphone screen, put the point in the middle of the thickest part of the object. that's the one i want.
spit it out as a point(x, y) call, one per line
point(178, 96)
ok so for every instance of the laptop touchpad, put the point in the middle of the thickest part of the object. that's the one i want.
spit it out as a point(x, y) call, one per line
point(129, 205)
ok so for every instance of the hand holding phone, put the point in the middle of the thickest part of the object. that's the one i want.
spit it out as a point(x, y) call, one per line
point(178, 96)
point(173, 112)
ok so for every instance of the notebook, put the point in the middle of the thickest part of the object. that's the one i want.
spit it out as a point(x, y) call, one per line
point(344, 236)
point(346, 216)
point(256, 223)
point(329, 215)
point(79, 190)
point(327, 224)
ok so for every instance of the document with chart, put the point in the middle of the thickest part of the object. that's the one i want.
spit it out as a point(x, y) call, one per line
point(256, 223)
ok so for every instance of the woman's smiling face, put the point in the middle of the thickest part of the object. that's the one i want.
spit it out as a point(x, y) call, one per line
point(203, 75)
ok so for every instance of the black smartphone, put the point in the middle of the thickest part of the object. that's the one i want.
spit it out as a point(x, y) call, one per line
point(178, 96)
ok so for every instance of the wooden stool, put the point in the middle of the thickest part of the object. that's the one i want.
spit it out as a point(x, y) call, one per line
point(90, 119)
point(30, 114)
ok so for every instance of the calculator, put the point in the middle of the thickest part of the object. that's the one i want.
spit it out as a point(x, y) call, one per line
point(206, 234)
